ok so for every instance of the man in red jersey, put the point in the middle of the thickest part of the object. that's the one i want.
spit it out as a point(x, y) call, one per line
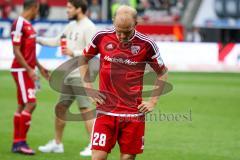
point(23, 66)
point(124, 53)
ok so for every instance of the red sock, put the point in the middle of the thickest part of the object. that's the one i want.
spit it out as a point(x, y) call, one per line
point(16, 128)
point(25, 124)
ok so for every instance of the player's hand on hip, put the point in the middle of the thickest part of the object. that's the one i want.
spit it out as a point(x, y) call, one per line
point(96, 96)
point(146, 107)
point(32, 74)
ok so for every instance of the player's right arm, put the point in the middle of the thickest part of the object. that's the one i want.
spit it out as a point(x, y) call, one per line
point(94, 95)
point(16, 36)
point(22, 62)
point(88, 53)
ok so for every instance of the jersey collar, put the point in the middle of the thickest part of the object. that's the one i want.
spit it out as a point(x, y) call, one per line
point(133, 35)
point(130, 38)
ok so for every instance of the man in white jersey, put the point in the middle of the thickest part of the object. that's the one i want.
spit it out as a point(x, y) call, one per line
point(78, 34)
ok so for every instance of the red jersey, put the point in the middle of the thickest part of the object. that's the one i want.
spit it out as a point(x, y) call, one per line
point(122, 68)
point(24, 35)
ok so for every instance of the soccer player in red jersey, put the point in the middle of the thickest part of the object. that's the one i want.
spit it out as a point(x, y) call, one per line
point(23, 66)
point(124, 53)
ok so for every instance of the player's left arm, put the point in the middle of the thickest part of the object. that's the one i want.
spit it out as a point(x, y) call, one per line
point(156, 62)
point(44, 72)
point(88, 53)
point(148, 106)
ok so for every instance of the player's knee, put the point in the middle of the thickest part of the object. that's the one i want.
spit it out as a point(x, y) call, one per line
point(60, 122)
point(99, 155)
point(60, 111)
point(20, 108)
point(30, 107)
point(31, 104)
point(128, 156)
point(84, 109)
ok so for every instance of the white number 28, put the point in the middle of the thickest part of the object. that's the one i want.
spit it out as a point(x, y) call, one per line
point(99, 139)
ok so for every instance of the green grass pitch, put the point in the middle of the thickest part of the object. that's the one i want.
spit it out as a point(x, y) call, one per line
point(211, 133)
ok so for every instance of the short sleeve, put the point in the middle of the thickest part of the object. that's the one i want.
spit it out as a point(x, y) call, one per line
point(92, 49)
point(154, 59)
point(17, 32)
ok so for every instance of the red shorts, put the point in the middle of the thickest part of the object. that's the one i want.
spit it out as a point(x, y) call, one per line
point(25, 87)
point(129, 132)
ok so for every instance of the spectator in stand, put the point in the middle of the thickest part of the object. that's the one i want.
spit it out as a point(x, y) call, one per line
point(43, 9)
point(95, 10)
point(194, 35)
point(8, 10)
point(143, 5)
point(116, 3)
point(168, 11)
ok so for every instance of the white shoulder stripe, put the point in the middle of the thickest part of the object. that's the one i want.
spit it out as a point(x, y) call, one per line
point(19, 25)
point(103, 31)
point(22, 86)
point(157, 53)
point(146, 37)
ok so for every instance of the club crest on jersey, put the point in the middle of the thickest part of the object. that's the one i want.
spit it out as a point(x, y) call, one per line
point(135, 49)
point(110, 46)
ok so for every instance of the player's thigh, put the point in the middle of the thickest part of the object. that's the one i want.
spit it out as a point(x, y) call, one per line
point(104, 133)
point(30, 89)
point(21, 104)
point(131, 139)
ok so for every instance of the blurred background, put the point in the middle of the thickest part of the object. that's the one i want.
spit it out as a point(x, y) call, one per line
point(204, 31)
point(195, 37)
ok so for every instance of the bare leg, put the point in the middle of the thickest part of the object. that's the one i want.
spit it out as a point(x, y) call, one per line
point(99, 155)
point(127, 156)
point(59, 122)
point(88, 121)
point(20, 109)
point(30, 107)
point(59, 128)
